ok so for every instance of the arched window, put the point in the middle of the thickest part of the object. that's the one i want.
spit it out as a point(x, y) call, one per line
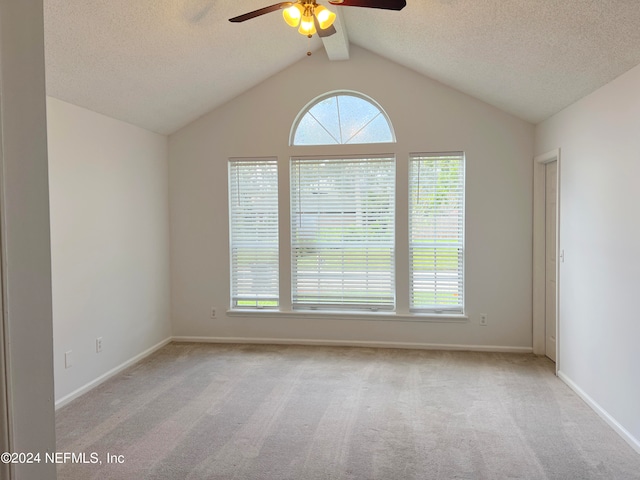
point(342, 217)
point(338, 118)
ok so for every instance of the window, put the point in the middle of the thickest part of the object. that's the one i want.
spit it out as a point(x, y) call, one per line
point(342, 233)
point(342, 221)
point(341, 118)
point(253, 212)
point(436, 232)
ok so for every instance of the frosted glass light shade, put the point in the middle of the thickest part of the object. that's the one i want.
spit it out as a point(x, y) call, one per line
point(293, 14)
point(325, 16)
point(307, 26)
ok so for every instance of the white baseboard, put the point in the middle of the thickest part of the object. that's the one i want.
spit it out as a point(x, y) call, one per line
point(354, 343)
point(102, 378)
point(619, 429)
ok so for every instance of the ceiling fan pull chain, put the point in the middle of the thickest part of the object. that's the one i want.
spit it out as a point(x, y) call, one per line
point(309, 46)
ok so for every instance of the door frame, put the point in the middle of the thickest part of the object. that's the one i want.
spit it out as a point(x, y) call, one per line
point(5, 431)
point(27, 416)
point(539, 194)
point(5, 418)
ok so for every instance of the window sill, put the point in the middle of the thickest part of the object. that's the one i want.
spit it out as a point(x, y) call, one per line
point(335, 315)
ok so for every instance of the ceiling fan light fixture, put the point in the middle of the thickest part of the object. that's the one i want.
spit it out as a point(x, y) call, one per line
point(325, 16)
point(307, 26)
point(312, 18)
point(293, 14)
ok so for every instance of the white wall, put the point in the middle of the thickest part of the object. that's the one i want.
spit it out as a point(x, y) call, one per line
point(427, 116)
point(109, 241)
point(24, 226)
point(600, 233)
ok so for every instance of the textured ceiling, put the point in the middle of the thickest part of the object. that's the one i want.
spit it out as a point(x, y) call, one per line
point(160, 64)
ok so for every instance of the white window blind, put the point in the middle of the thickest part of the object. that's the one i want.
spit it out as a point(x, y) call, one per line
point(342, 233)
point(253, 214)
point(436, 232)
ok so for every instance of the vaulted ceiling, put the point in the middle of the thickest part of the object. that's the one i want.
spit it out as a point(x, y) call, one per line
point(160, 64)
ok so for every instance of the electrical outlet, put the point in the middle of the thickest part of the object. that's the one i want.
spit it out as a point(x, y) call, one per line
point(483, 319)
point(213, 312)
point(98, 344)
point(67, 359)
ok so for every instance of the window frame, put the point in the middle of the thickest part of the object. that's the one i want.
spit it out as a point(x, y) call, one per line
point(402, 311)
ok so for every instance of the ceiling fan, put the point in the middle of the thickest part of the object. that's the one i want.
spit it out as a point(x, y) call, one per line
point(312, 18)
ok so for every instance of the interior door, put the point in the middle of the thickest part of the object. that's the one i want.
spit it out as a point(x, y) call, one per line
point(551, 200)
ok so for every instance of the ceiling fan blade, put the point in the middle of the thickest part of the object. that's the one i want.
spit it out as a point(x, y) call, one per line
point(384, 4)
point(327, 32)
point(262, 11)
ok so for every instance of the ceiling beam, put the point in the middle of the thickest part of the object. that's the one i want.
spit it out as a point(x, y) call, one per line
point(337, 45)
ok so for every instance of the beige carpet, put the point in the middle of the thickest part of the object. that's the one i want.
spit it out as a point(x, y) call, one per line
point(197, 411)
